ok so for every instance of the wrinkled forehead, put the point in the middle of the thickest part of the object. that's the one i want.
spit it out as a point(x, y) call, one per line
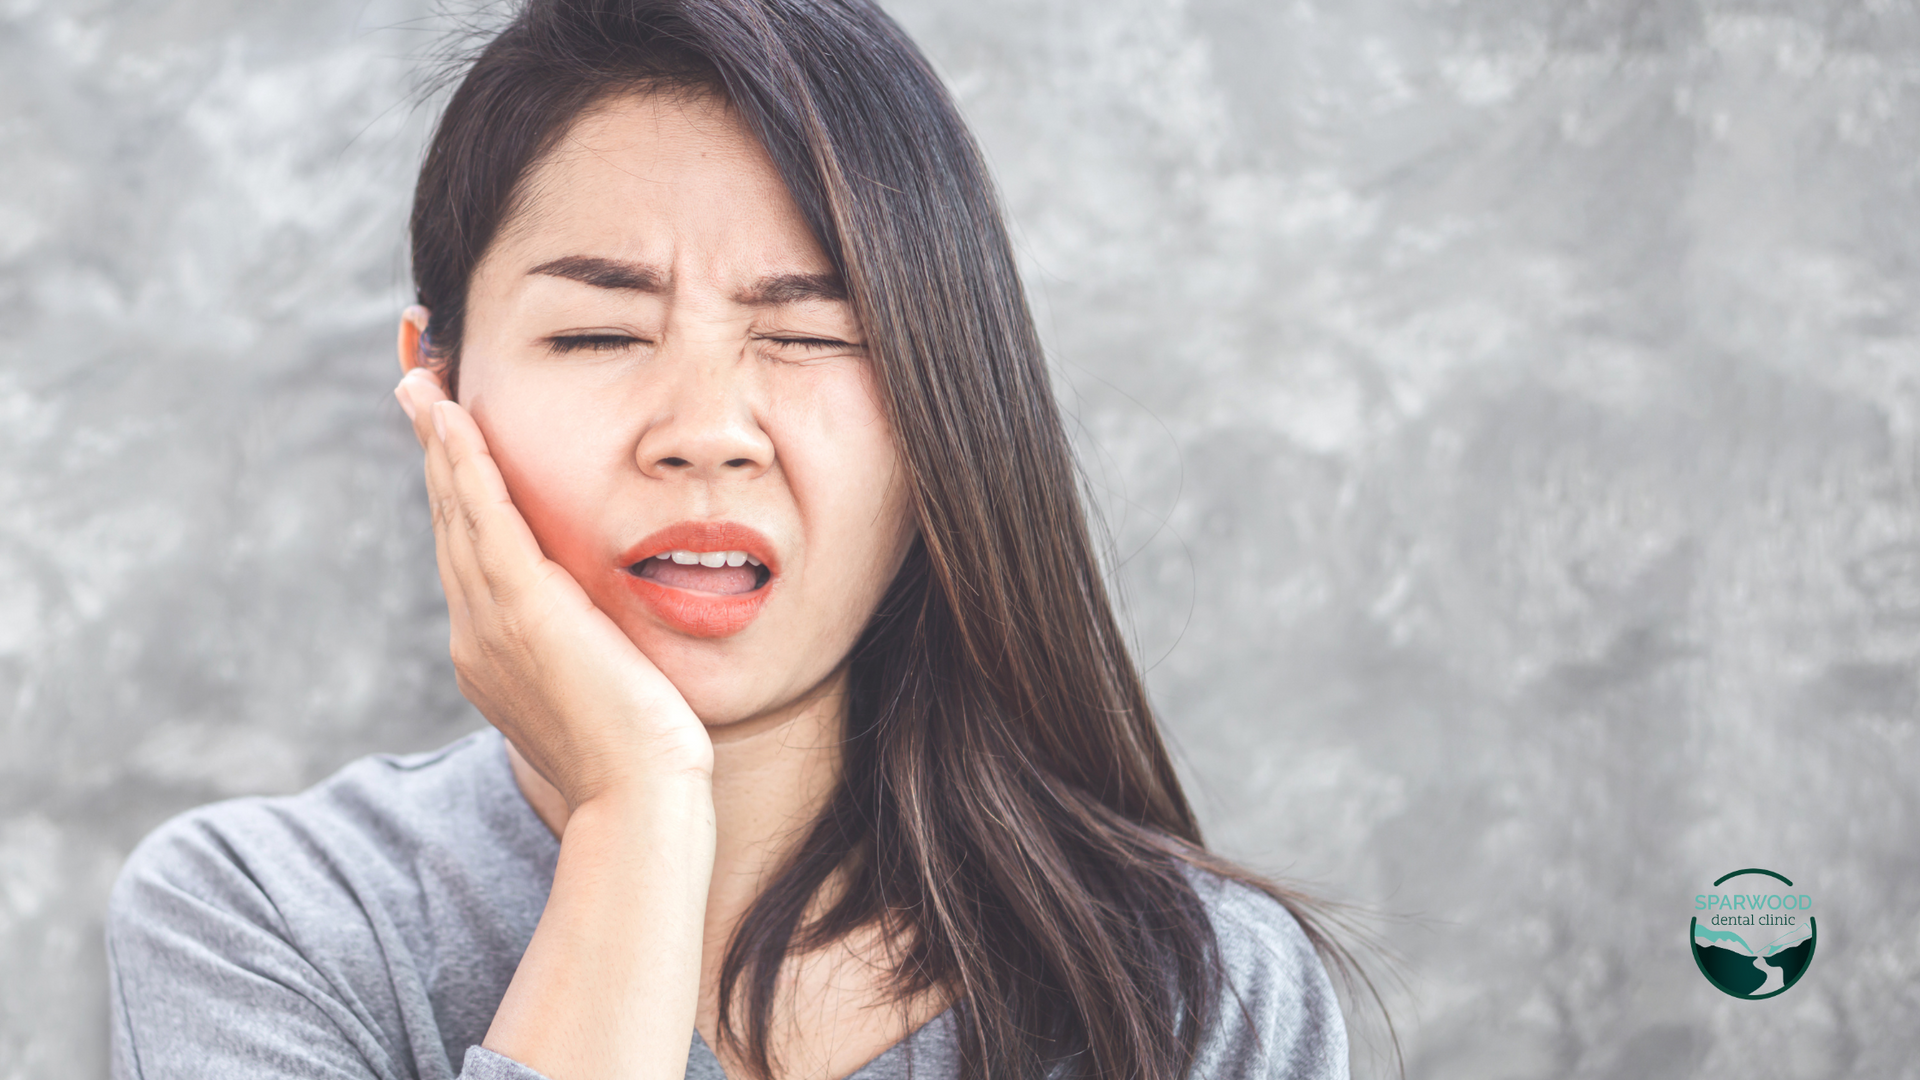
point(670, 178)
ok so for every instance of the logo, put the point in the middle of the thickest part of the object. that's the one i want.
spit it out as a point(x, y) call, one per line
point(1753, 933)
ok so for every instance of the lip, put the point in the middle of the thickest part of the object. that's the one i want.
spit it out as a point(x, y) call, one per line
point(705, 615)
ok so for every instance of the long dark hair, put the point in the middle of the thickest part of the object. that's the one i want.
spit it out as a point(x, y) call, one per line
point(1009, 816)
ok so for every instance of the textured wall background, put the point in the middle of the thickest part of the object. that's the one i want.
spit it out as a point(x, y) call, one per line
point(1506, 411)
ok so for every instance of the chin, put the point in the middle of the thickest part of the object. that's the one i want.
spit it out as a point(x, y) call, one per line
point(722, 704)
point(724, 680)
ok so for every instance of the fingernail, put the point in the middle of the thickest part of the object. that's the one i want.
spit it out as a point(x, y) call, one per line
point(405, 399)
point(439, 423)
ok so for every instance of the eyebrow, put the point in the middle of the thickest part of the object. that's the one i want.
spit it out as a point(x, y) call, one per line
point(605, 273)
point(793, 288)
point(769, 291)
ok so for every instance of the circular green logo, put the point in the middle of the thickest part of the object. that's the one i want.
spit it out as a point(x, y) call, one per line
point(1753, 933)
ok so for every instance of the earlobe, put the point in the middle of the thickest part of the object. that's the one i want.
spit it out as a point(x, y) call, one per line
point(413, 334)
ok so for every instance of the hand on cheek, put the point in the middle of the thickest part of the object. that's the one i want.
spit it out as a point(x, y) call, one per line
point(531, 651)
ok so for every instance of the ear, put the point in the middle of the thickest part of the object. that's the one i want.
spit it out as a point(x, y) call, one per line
point(413, 327)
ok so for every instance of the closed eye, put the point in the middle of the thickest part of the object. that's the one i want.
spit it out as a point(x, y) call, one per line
point(811, 343)
point(567, 343)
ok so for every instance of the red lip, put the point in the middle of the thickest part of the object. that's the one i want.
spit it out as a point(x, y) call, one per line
point(706, 615)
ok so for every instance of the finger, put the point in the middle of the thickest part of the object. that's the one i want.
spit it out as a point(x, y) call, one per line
point(446, 534)
point(455, 523)
point(503, 545)
point(417, 392)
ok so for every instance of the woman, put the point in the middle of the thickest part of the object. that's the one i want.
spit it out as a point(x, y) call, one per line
point(818, 752)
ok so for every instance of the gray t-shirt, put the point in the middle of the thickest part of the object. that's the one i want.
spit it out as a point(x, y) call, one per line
point(368, 927)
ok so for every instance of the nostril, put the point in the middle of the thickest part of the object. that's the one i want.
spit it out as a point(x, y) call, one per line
point(739, 463)
point(675, 462)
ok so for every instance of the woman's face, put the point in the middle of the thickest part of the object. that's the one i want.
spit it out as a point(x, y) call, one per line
point(664, 364)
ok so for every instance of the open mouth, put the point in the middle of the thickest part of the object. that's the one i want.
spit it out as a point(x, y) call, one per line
point(716, 573)
point(706, 579)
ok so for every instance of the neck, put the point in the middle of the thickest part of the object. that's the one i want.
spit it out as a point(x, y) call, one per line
point(772, 775)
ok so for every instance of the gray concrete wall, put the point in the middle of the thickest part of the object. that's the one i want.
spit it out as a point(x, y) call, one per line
point(1506, 413)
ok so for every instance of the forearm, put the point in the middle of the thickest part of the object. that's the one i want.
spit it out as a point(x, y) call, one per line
point(610, 982)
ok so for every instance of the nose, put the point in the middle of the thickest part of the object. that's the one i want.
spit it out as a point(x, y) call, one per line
point(706, 429)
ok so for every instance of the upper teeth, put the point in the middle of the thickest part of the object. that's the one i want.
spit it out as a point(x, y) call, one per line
point(709, 558)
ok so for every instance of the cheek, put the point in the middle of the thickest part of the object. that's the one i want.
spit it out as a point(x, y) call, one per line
point(544, 452)
point(844, 468)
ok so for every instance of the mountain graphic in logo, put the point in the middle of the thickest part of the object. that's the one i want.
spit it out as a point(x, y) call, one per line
point(1758, 940)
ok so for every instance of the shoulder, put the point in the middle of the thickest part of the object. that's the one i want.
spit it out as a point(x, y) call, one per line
point(1278, 1015)
point(384, 808)
point(373, 918)
point(358, 842)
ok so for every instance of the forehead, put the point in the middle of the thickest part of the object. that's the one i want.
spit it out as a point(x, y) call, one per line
point(671, 178)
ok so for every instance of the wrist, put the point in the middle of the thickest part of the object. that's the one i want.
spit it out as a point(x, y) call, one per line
point(638, 779)
point(681, 797)
point(661, 834)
